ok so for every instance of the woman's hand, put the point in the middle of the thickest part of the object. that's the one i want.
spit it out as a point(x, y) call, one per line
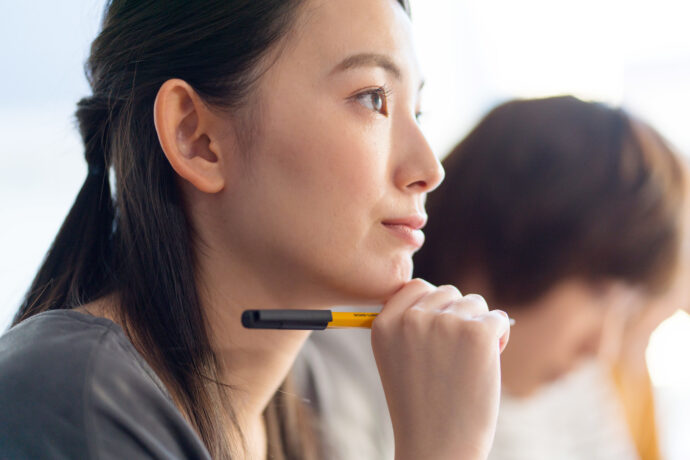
point(437, 352)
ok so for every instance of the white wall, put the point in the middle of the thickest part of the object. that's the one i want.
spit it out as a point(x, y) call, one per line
point(43, 46)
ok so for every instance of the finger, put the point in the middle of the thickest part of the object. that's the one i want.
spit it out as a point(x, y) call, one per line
point(467, 306)
point(405, 297)
point(498, 321)
point(439, 299)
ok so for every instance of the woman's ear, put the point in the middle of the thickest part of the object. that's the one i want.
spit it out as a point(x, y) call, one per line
point(182, 122)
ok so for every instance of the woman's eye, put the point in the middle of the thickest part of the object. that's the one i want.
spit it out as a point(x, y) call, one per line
point(374, 100)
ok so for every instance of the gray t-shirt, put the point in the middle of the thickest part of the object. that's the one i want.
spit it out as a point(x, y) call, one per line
point(73, 386)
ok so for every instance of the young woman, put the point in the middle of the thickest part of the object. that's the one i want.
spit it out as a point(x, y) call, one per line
point(579, 235)
point(264, 154)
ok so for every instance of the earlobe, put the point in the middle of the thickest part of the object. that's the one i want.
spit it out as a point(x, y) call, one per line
point(182, 121)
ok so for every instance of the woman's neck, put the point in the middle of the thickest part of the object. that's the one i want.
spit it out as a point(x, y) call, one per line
point(254, 362)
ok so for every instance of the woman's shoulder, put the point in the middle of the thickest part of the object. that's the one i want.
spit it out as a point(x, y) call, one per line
point(65, 349)
point(53, 332)
point(73, 385)
point(54, 347)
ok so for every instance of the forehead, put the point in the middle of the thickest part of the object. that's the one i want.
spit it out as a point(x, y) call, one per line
point(328, 31)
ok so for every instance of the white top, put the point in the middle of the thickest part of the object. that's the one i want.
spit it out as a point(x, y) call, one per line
point(578, 417)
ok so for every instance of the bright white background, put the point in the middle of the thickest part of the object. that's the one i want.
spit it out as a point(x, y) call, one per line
point(475, 53)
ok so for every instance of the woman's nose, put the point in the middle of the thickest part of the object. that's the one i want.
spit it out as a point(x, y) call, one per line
point(419, 170)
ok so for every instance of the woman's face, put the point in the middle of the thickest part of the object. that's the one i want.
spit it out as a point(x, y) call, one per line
point(576, 320)
point(561, 329)
point(326, 199)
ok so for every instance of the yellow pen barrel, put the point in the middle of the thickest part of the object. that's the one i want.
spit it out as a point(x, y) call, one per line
point(352, 319)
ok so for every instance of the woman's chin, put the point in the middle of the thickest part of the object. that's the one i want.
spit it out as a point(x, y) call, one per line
point(378, 289)
point(366, 283)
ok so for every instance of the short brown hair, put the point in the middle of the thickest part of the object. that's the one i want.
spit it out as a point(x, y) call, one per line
point(546, 189)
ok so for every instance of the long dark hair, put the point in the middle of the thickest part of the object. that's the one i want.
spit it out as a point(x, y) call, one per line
point(137, 242)
point(546, 189)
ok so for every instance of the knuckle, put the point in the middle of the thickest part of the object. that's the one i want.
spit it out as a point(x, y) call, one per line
point(450, 289)
point(501, 312)
point(420, 283)
point(462, 306)
point(477, 300)
point(413, 318)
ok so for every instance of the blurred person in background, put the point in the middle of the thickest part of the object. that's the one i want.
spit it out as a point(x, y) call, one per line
point(570, 216)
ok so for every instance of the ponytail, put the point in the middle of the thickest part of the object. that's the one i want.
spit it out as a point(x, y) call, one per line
point(76, 268)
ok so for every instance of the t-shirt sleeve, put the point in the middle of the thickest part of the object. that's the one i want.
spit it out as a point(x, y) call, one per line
point(74, 393)
point(129, 416)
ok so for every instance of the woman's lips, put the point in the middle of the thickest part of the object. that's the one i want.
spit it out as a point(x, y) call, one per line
point(408, 229)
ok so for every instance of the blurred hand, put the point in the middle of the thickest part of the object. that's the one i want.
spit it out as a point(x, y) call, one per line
point(629, 327)
point(437, 352)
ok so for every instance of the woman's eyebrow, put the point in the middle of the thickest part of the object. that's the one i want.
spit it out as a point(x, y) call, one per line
point(369, 60)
